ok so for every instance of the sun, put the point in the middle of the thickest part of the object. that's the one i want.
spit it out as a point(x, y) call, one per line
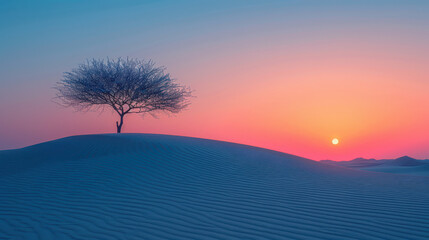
point(335, 141)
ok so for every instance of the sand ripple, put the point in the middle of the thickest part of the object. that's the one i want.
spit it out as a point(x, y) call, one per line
point(138, 186)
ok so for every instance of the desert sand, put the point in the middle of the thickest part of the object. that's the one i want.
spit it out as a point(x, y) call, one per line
point(143, 186)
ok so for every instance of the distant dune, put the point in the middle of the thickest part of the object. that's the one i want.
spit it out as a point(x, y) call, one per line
point(402, 165)
point(142, 186)
point(404, 161)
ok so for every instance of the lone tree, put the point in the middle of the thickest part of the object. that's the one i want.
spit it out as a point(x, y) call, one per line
point(126, 85)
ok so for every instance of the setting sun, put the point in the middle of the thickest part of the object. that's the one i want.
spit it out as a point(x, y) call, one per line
point(335, 141)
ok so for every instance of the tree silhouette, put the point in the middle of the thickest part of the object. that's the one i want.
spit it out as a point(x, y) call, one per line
point(126, 85)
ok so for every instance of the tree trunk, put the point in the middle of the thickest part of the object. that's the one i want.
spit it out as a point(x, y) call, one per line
point(119, 125)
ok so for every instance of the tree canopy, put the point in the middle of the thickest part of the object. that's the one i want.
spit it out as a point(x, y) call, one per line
point(125, 85)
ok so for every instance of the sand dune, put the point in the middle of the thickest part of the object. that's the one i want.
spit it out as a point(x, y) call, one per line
point(141, 186)
point(402, 165)
point(404, 161)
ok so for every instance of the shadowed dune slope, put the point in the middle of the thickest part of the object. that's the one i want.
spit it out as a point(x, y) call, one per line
point(143, 186)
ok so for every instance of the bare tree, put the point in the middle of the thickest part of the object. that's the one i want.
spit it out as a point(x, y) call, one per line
point(126, 85)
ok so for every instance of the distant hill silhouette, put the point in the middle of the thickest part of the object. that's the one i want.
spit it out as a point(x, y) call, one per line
point(405, 161)
point(404, 165)
point(356, 163)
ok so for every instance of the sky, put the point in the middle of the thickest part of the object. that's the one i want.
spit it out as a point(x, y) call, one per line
point(283, 75)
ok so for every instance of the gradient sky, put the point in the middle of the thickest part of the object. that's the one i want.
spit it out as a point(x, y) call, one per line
point(285, 75)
